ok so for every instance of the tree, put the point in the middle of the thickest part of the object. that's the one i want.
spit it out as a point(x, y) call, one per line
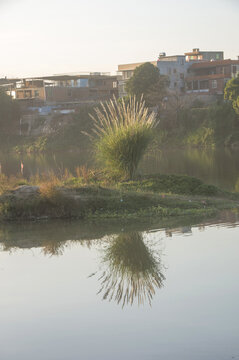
point(231, 93)
point(148, 82)
point(9, 114)
point(144, 76)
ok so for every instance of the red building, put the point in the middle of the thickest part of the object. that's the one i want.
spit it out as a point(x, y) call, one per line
point(210, 77)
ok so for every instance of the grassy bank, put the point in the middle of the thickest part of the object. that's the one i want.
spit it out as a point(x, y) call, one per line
point(93, 197)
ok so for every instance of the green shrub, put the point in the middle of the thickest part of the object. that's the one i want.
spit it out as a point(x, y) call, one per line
point(123, 133)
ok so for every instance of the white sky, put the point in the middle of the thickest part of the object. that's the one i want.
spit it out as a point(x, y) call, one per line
point(56, 36)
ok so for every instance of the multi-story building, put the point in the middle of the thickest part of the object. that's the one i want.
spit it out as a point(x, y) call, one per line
point(27, 89)
point(197, 55)
point(175, 67)
point(64, 89)
point(210, 77)
point(125, 71)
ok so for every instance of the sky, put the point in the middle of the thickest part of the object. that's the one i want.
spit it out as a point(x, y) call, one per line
point(64, 36)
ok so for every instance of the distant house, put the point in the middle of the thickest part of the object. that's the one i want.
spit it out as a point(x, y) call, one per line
point(176, 67)
point(60, 89)
point(210, 77)
point(197, 55)
point(29, 89)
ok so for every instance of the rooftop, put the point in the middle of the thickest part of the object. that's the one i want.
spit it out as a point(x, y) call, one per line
point(207, 64)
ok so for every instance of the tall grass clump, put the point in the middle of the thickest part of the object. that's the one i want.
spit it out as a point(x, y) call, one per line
point(122, 134)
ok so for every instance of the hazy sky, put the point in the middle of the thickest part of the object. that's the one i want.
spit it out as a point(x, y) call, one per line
point(57, 36)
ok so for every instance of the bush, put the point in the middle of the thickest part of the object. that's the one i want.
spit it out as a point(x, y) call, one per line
point(123, 133)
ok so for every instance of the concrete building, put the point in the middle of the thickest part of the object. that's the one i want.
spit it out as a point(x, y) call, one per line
point(56, 89)
point(175, 67)
point(197, 55)
point(125, 71)
point(210, 77)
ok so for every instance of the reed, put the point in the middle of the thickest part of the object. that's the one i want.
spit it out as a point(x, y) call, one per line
point(122, 133)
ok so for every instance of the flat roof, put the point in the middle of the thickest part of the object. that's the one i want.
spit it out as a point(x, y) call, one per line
point(206, 64)
point(132, 66)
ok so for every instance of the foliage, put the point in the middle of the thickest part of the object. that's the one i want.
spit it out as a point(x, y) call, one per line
point(123, 133)
point(144, 76)
point(231, 93)
point(9, 114)
point(216, 124)
point(147, 81)
point(174, 184)
point(141, 198)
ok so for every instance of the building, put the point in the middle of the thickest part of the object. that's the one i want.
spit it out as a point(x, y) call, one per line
point(210, 77)
point(175, 67)
point(197, 55)
point(28, 89)
point(81, 88)
point(61, 89)
point(125, 71)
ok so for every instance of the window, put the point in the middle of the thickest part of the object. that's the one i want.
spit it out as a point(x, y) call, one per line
point(214, 84)
point(36, 93)
point(114, 84)
point(175, 84)
point(181, 76)
point(174, 71)
point(169, 71)
point(204, 84)
point(69, 93)
point(234, 69)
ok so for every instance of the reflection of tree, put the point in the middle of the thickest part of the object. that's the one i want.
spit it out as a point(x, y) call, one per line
point(133, 273)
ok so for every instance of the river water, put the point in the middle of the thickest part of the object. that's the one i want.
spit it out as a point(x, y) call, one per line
point(215, 166)
point(113, 290)
point(120, 290)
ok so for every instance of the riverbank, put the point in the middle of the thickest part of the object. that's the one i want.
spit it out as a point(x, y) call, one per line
point(161, 196)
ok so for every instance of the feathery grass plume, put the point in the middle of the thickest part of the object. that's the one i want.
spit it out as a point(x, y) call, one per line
point(122, 134)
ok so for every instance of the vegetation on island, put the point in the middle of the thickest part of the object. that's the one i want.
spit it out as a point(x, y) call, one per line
point(94, 195)
point(123, 131)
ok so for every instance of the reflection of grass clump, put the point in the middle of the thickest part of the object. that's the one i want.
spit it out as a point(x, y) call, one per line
point(134, 270)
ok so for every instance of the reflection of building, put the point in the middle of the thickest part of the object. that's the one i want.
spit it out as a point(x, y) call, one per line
point(210, 77)
point(126, 71)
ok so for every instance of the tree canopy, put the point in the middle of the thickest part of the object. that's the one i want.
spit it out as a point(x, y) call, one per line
point(9, 114)
point(231, 93)
point(148, 82)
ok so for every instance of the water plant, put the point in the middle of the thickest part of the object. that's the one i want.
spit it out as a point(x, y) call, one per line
point(122, 133)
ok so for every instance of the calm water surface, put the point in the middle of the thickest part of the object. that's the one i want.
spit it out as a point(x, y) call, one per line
point(214, 166)
point(120, 290)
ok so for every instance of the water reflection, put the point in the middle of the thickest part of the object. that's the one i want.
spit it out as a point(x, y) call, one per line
point(133, 270)
point(218, 166)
